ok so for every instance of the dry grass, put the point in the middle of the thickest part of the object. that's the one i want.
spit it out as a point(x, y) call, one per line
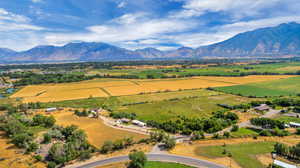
point(96, 131)
point(121, 87)
point(13, 158)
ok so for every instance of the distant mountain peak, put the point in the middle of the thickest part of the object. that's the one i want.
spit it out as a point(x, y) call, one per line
point(280, 40)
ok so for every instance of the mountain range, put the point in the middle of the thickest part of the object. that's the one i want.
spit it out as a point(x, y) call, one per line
point(276, 41)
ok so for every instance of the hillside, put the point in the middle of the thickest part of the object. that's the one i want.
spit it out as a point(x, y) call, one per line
point(266, 42)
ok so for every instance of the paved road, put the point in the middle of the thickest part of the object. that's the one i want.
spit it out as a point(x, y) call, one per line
point(156, 157)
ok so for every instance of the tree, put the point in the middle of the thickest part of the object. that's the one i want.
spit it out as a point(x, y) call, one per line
point(169, 142)
point(137, 160)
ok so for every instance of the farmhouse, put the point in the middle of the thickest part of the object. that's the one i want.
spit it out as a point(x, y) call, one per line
point(262, 107)
point(294, 125)
point(51, 109)
point(138, 123)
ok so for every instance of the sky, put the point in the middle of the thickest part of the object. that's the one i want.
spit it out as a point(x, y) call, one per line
point(135, 24)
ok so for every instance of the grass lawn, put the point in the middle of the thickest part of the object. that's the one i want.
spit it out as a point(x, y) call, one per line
point(165, 96)
point(243, 154)
point(202, 106)
point(165, 165)
point(244, 132)
point(79, 103)
point(280, 87)
point(288, 119)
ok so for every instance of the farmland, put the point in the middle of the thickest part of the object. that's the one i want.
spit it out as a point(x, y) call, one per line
point(201, 106)
point(280, 87)
point(119, 87)
point(96, 131)
point(238, 69)
point(243, 154)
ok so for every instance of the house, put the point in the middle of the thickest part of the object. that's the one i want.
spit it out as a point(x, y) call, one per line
point(283, 164)
point(294, 125)
point(262, 107)
point(51, 109)
point(138, 123)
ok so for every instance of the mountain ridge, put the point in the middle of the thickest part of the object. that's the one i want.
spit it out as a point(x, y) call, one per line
point(280, 40)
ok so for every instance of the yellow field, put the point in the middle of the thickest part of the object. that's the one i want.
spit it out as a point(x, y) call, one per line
point(13, 158)
point(96, 131)
point(121, 87)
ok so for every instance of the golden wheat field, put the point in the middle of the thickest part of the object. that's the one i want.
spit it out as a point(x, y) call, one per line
point(121, 87)
point(95, 129)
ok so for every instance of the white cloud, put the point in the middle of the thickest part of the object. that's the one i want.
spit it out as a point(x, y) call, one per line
point(37, 1)
point(11, 22)
point(140, 28)
point(237, 8)
point(122, 4)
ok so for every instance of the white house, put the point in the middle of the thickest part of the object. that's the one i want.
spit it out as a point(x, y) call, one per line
point(138, 123)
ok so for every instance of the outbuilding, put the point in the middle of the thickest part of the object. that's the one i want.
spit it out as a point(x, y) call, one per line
point(139, 123)
point(283, 164)
point(51, 109)
point(294, 125)
point(262, 107)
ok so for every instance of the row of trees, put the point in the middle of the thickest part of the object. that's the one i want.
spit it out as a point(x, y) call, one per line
point(290, 152)
point(187, 126)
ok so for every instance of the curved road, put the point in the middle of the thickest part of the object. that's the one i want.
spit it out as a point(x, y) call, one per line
point(156, 157)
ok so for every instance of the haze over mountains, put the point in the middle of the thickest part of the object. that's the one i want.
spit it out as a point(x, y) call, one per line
point(273, 41)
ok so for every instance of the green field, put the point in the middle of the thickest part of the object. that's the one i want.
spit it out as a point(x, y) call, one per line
point(288, 119)
point(244, 132)
point(222, 70)
point(165, 165)
point(201, 106)
point(243, 154)
point(281, 87)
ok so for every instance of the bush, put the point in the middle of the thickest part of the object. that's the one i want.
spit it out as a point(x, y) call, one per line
point(265, 133)
point(46, 138)
point(51, 165)
point(198, 135)
point(298, 131)
point(226, 134)
point(107, 147)
point(234, 128)
point(38, 157)
point(137, 160)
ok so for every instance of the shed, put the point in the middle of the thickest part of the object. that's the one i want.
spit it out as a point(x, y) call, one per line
point(138, 123)
point(262, 107)
point(293, 124)
point(51, 109)
point(125, 120)
point(283, 164)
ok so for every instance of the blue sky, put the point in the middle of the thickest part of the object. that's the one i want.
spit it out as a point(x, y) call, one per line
point(132, 24)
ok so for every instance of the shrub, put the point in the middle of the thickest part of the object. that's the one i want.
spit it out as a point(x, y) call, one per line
point(234, 128)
